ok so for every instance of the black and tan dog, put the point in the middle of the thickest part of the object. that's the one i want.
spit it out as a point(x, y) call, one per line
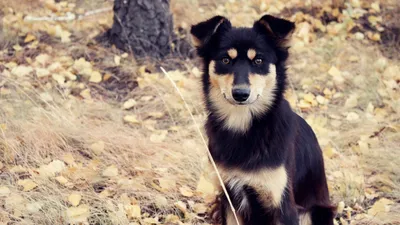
point(268, 156)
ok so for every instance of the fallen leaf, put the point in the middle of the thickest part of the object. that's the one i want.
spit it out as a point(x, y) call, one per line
point(159, 136)
point(42, 72)
point(200, 208)
point(167, 184)
point(110, 171)
point(333, 71)
point(380, 208)
point(352, 101)
point(95, 77)
point(181, 206)
point(133, 211)
point(4, 191)
point(129, 103)
point(131, 119)
point(34, 207)
point(42, 60)
point(56, 166)
point(29, 38)
point(340, 207)
point(151, 220)
point(117, 60)
point(170, 218)
point(28, 184)
point(78, 214)
point(97, 147)
point(21, 71)
point(161, 201)
point(74, 199)
point(86, 94)
point(204, 186)
point(186, 191)
point(62, 180)
point(352, 116)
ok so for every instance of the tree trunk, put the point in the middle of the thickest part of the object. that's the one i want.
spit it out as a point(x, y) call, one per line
point(144, 27)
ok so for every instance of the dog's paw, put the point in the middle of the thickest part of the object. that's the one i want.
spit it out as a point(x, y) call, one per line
point(215, 211)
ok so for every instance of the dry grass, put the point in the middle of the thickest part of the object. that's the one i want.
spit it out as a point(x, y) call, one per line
point(361, 155)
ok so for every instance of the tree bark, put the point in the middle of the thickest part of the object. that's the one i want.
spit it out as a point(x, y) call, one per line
point(144, 27)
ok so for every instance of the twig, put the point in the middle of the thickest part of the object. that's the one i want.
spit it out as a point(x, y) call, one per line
point(68, 17)
point(205, 144)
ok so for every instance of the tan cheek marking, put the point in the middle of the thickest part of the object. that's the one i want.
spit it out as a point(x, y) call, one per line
point(223, 82)
point(270, 184)
point(251, 53)
point(232, 53)
point(196, 42)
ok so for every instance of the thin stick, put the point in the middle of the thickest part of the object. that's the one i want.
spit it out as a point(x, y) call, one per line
point(205, 144)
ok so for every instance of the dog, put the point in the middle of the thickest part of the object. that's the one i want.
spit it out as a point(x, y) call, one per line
point(268, 156)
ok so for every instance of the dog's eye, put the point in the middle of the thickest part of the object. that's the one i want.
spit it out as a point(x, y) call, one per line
point(258, 61)
point(226, 60)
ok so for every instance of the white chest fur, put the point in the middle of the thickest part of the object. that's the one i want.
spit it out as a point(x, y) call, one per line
point(269, 184)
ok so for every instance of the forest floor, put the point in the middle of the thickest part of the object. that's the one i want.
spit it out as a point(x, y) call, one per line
point(90, 136)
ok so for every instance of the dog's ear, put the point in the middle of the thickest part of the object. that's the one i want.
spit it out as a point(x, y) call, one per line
point(280, 30)
point(202, 32)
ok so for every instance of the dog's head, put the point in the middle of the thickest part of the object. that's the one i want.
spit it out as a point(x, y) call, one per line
point(241, 63)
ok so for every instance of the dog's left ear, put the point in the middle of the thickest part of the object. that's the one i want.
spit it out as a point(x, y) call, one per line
point(280, 30)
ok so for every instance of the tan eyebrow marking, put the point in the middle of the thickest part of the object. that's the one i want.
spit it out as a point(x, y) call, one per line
point(232, 53)
point(251, 53)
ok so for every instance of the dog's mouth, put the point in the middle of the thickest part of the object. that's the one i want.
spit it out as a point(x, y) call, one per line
point(233, 102)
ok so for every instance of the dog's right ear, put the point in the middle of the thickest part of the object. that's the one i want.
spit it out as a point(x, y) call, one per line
point(202, 32)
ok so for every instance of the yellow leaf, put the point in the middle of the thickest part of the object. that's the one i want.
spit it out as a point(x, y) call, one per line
point(200, 208)
point(170, 218)
point(21, 71)
point(156, 115)
point(41, 72)
point(380, 208)
point(129, 103)
point(74, 199)
point(159, 136)
point(181, 206)
point(110, 171)
point(352, 116)
point(4, 191)
point(204, 186)
point(29, 38)
point(56, 166)
point(375, 6)
point(97, 147)
point(340, 207)
point(133, 211)
point(95, 77)
point(333, 71)
point(309, 97)
point(76, 215)
point(86, 94)
point(186, 191)
point(62, 180)
point(28, 184)
point(167, 184)
point(131, 119)
point(352, 101)
point(117, 60)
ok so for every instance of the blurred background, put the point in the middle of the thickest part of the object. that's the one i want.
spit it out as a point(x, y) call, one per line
point(91, 132)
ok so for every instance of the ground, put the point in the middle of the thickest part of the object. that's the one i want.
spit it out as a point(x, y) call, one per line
point(90, 136)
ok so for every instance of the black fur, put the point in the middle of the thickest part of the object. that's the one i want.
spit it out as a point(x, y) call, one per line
point(277, 137)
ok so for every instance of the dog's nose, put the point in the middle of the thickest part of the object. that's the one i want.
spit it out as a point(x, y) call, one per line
point(241, 94)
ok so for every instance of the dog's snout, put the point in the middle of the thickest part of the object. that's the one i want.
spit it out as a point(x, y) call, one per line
point(240, 94)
